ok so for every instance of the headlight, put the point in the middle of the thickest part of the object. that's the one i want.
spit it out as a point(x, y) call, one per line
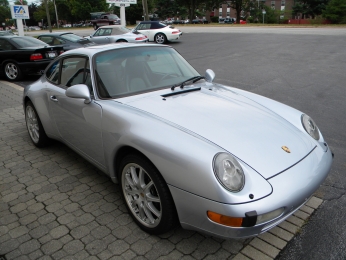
point(310, 127)
point(229, 172)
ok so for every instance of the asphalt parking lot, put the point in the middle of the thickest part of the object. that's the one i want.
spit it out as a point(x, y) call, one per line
point(55, 205)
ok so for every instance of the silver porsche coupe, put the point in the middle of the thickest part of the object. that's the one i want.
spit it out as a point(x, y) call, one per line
point(183, 149)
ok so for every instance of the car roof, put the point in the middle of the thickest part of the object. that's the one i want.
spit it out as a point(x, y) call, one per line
point(8, 35)
point(149, 21)
point(111, 26)
point(92, 50)
point(55, 33)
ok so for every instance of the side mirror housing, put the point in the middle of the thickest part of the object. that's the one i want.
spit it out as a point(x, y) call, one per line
point(209, 75)
point(79, 91)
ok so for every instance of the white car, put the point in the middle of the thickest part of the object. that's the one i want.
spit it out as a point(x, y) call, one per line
point(116, 33)
point(158, 32)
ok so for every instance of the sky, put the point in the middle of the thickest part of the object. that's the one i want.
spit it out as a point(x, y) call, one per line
point(11, 2)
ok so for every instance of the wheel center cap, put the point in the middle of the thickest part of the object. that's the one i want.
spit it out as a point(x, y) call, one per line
point(142, 195)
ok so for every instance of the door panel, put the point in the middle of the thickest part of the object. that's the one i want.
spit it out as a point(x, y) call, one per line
point(78, 124)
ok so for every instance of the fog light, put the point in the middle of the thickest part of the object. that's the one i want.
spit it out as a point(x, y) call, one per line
point(269, 216)
point(225, 220)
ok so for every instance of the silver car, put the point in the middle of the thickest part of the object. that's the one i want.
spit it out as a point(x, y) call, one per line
point(183, 149)
point(116, 33)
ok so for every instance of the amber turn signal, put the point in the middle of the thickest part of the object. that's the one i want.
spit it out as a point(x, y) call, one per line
point(225, 220)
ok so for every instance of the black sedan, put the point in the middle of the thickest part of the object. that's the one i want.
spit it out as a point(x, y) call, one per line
point(67, 40)
point(25, 56)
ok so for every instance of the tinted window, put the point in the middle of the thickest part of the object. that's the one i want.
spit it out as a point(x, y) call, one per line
point(113, 17)
point(71, 37)
point(103, 32)
point(143, 26)
point(28, 42)
point(72, 71)
point(53, 73)
point(5, 45)
point(157, 25)
point(47, 39)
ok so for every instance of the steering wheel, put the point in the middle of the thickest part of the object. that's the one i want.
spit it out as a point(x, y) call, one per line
point(174, 75)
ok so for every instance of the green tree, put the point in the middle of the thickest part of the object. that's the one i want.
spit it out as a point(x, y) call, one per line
point(239, 6)
point(336, 11)
point(5, 13)
point(4, 3)
point(309, 7)
point(167, 8)
point(81, 9)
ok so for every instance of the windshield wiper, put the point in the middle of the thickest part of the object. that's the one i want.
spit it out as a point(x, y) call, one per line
point(182, 84)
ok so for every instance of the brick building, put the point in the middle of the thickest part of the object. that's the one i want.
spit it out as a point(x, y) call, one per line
point(225, 11)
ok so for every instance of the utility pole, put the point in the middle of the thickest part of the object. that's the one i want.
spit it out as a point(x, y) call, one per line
point(56, 15)
point(48, 16)
point(145, 10)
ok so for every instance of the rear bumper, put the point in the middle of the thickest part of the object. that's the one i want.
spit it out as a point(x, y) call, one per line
point(174, 37)
point(291, 190)
point(34, 67)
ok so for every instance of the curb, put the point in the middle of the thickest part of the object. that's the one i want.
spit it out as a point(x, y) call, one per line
point(268, 245)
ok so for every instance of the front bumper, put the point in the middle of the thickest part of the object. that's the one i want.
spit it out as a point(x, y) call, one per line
point(291, 189)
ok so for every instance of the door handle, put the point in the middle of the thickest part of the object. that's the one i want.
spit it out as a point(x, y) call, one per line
point(53, 98)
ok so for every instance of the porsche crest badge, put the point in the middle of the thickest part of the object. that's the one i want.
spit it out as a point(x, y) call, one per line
point(286, 149)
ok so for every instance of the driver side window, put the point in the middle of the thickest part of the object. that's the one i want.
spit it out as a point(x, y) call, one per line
point(76, 70)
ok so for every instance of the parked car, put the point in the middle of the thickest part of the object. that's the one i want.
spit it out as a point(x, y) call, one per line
point(67, 40)
point(116, 33)
point(99, 19)
point(24, 55)
point(217, 159)
point(34, 28)
point(6, 32)
point(158, 32)
point(221, 20)
point(242, 22)
point(197, 21)
point(229, 20)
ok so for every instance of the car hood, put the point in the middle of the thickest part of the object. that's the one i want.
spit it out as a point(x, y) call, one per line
point(248, 130)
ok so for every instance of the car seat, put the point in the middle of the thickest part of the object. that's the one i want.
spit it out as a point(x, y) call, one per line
point(136, 76)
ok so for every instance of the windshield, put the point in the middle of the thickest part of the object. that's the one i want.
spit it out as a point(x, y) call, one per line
point(130, 71)
point(113, 16)
point(71, 37)
point(24, 42)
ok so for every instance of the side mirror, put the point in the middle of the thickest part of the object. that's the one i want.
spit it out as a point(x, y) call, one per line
point(79, 91)
point(209, 75)
point(91, 35)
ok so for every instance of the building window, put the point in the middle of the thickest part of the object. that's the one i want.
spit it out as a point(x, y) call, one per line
point(272, 5)
point(282, 2)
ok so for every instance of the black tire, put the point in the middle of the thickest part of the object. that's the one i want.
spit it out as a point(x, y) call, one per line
point(33, 124)
point(160, 38)
point(12, 71)
point(151, 208)
point(121, 40)
point(95, 26)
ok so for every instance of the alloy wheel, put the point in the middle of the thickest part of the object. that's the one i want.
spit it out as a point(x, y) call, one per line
point(11, 71)
point(141, 195)
point(32, 124)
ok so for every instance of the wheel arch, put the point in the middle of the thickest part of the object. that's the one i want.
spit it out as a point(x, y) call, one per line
point(121, 40)
point(124, 151)
point(128, 150)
